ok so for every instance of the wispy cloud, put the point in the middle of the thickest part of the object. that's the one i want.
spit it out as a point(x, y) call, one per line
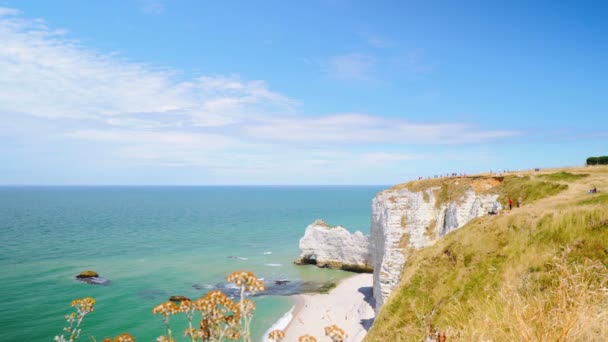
point(376, 41)
point(352, 66)
point(413, 61)
point(8, 11)
point(366, 129)
point(46, 74)
point(152, 6)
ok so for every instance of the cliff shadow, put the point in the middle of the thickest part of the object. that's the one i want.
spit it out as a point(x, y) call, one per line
point(368, 296)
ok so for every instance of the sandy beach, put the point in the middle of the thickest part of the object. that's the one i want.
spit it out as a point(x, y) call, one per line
point(349, 306)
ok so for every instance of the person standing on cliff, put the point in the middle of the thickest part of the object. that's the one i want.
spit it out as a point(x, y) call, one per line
point(510, 204)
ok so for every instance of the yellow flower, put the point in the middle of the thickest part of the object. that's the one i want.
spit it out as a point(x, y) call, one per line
point(166, 308)
point(276, 335)
point(247, 306)
point(247, 280)
point(124, 338)
point(164, 339)
point(335, 333)
point(307, 338)
point(85, 304)
point(185, 305)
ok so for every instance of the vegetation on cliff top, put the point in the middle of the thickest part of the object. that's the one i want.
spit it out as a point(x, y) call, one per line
point(538, 272)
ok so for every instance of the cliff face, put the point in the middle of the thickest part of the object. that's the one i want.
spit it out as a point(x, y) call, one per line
point(403, 220)
point(334, 247)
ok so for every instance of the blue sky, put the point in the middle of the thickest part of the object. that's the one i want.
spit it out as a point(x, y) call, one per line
point(316, 92)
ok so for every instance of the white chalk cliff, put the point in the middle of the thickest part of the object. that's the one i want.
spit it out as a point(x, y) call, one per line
point(334, 247)
point(403, 220)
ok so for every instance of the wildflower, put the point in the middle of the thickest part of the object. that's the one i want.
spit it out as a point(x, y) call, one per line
point(232, 333)
point(192, 332)
point(166, 309)
point(124, 338)
point(85, 305)
point(185, 305)
point(246, 280)
point(247, 307)
point(335, 333)
point(164, 338)
point(307, 338)
point(276, 335)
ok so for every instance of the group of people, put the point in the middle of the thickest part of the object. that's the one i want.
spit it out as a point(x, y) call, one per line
point(517, 203)
point(510, 202)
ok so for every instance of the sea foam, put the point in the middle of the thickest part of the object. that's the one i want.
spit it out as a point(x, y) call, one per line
point(280, 324)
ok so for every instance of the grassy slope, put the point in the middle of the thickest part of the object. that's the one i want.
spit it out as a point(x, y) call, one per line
point(467, 283)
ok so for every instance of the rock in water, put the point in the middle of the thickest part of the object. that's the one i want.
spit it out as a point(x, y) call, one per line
point(334, 247)
point(92, 277)
point(178, 298)
point(87, 274)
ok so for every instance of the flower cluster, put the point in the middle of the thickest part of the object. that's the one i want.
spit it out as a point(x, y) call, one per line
point(246, 280)
point(164, 339)
point(166, 309)
point(185, 305)
point(276, 335)
point(83, 305)
point(307, 338)
point(247, 307)
point(335, 333)
point(120, 338)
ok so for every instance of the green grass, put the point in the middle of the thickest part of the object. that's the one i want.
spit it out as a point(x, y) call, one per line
point(526, 188)
point(563, 176)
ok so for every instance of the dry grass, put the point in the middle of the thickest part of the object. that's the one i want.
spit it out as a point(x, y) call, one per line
point(572, 308)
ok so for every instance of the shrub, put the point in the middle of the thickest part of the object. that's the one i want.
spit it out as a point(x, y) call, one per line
point(603, 160)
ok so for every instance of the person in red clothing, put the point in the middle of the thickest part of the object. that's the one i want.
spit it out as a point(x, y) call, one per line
point(510, 204)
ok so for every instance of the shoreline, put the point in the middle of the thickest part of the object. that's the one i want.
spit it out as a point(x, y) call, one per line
point(349, 306)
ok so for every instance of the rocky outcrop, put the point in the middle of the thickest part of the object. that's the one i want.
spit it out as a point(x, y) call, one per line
point(404, 220)
point(335, 247)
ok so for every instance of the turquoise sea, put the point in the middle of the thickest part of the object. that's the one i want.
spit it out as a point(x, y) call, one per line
point(152, 242)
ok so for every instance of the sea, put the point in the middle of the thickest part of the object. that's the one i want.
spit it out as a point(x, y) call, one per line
point(152, 242)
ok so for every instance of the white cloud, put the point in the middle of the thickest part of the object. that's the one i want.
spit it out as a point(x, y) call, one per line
point(154, 116)
point(353, 66)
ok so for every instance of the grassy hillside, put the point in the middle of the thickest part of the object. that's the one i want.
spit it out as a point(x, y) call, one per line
point(535, 273)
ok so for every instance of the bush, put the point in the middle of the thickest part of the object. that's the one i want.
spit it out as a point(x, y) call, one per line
point(603, 160)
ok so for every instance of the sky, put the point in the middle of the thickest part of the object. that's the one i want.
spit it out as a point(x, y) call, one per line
point(332, 92)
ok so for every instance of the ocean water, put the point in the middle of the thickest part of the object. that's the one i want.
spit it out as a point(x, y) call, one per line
point(153, 242)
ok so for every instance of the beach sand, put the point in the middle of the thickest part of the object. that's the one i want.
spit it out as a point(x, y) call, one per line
point(349, 306)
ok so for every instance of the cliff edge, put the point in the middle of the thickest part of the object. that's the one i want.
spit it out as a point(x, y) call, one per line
point(414, 215)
